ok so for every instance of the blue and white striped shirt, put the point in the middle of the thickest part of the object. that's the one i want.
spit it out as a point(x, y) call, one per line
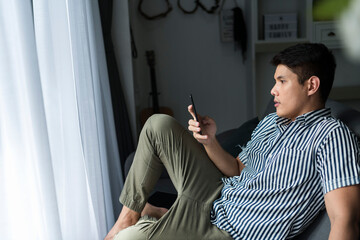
point(289, 168)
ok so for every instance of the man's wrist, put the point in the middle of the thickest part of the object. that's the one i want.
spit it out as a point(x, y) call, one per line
point(212, 143)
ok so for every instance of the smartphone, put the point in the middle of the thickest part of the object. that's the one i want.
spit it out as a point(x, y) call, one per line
point(193, 104)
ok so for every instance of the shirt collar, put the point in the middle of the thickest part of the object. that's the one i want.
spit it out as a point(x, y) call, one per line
point(308, 118)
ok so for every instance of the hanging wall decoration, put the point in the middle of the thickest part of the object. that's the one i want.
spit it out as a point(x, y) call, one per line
point(227, 25)
point(233, 27)
point(198, 4)
point(157, 16)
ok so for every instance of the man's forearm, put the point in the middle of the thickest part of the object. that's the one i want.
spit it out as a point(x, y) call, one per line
point(226, 163)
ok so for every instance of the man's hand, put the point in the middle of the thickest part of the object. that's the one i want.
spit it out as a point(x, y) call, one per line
point(343, 208)
point(126, 219)
point(206, 125)
point(226, 163)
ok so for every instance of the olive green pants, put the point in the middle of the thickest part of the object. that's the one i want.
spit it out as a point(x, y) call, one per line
point(164, 142)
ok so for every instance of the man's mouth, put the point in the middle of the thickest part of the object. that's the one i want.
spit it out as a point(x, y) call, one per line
point(276, 103)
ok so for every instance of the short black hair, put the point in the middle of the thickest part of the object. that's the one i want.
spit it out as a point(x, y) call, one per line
point(309, 59)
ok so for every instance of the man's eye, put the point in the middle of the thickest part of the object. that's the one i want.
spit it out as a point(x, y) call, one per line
point(282, 81)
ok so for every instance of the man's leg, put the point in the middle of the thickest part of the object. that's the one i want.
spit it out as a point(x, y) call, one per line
point(164, 142)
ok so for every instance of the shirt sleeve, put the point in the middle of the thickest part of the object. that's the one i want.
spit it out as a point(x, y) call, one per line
point(339, 159)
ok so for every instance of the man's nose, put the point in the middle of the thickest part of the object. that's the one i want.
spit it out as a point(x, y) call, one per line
point(273, 91)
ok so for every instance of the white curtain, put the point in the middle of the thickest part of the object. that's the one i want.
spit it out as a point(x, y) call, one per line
point(57, 136)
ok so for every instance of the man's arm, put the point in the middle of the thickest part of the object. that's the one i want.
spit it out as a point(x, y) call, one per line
point(343, 208)
point(226, 163)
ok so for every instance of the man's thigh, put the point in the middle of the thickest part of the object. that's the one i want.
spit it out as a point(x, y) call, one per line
point(164, 141)
point(186, 161)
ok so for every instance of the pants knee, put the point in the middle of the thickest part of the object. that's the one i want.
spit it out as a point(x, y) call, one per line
point(162, 126)
point(160, 122)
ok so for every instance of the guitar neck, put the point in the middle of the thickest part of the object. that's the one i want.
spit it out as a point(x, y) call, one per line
point(154, 92)
point(150, 55)
point(146, 113)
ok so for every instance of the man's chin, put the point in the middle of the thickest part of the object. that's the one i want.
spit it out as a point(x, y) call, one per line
point(281, 114)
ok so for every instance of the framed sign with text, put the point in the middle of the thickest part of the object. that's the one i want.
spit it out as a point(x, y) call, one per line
point(280, 26)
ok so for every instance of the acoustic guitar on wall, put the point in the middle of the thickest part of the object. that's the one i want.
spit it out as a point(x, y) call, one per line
point(147, 112)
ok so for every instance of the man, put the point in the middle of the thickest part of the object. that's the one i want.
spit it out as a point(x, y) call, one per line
point(298, 161)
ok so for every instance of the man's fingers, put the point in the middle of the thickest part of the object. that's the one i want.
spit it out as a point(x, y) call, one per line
point(191, 111)
point(194, 129)
point(193, 122)
point(194, 126)
point(200, 137)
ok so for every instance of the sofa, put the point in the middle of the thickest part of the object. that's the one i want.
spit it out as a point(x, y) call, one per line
point(164, 193)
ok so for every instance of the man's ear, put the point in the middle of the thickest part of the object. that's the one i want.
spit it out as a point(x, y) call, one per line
point(313, 85)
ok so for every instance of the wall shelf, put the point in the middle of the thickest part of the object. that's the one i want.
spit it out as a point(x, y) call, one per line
point(275, 46)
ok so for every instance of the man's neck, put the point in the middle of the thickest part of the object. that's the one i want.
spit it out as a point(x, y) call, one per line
point(311, 106)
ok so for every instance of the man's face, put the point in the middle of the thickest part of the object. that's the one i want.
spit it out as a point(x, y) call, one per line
point(290, 96)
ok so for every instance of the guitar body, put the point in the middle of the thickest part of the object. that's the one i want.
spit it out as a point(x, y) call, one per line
point(147, 112)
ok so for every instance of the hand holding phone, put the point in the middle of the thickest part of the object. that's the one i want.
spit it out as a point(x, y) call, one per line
point(193, 104)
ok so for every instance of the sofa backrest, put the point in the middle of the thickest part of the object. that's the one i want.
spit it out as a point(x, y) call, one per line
point(347, 115)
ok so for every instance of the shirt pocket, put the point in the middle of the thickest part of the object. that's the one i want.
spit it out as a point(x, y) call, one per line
point(289, 168)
